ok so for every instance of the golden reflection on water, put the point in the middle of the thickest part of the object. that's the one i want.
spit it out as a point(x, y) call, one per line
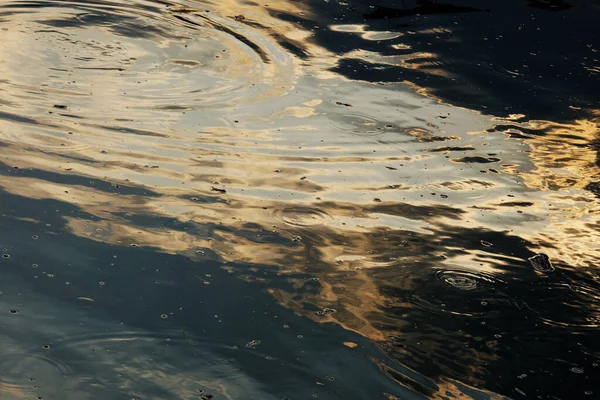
point(282, 164)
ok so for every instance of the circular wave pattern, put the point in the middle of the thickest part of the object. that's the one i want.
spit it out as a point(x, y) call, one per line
point(463, 280)
point(481, 293)
point(26, 372)
point(302, 216)
point(133, 60)
point(130, 363)
point(566, 306)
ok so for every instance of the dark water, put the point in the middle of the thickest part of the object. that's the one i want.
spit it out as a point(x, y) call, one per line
point(299, 199)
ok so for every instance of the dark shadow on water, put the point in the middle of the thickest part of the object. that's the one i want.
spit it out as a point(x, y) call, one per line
point(423, 7)
point(499, 325)
point(76, 180)
point(436, 319)
point(470, 58)
point(132, 288)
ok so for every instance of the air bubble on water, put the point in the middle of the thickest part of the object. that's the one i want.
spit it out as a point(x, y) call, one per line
point(577, 370)
point(164, 316)
point(46, 346)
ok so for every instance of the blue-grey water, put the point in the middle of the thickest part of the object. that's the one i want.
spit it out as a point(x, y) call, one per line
point(397, 199)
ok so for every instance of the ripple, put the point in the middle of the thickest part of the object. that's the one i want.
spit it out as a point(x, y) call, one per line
point(481, 293)
point(140, 362)
point(566, 306)
point(459, 279)
point(301, 216)
point(75, 66)
point(23, 372)
point(360, 124)
point(164, 55)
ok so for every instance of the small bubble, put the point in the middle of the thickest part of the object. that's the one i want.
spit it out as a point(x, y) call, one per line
point(101, 283)
point(577, 370)
point(164, 316)
point(134, 245)
point(486, 244)
point(34, 265)
point(300, 337)
point(35, 237)
point(6, 255)
point(46, 346)
point(14, 311)
point(497, 336)
point(330, 378)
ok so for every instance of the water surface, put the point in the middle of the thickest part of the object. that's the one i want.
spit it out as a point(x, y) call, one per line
point(315, 199)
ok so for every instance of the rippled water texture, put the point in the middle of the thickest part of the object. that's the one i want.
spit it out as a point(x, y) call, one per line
point(299, 199)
